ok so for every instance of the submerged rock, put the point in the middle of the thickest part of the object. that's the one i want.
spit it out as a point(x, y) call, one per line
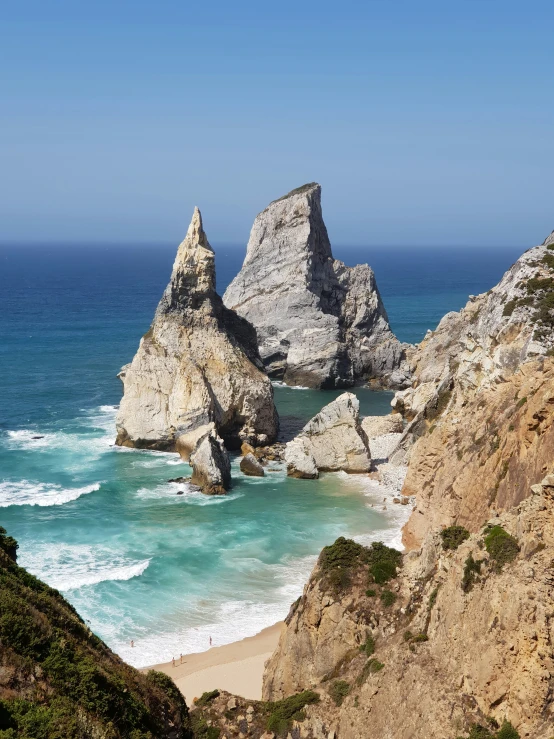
point(333, 440)
point(211, 468)
point(319, 323)
point(249, 465)
point(197, 368)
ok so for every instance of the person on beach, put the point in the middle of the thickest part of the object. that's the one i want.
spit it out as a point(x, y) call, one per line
point(132, 642)
point(181, 659)
point(173, 660)
point(210, 641)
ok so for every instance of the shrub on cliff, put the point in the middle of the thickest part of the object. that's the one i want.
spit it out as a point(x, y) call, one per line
point(478, 731)
point(383, 562)
point(282, 713)
point(337, 562)
point(339, 690)
point(8, 544)
point(66, 682)
point(501, 546)
point(472, 570)
point(453, 536)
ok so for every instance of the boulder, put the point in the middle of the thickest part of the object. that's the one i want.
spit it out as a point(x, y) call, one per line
point(197, 368)
point(333, 440)
point(211, 468)
point(249, 465)
point(319, 323)
point(380, 425)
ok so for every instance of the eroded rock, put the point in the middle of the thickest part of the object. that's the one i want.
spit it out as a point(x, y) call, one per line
point(249, 465)
point(211, 468)
point(319, 323)
point(333, 440)
point(197, 367)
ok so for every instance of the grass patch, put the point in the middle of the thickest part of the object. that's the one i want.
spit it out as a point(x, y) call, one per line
point(371, 593)
point(339, 690)
point(433, 598)
point(388, 598)
point(521, 402)
point(371, 667)
point(509, 307)
point(501, 546)
point(282, 713)
point(207, 697)
point(472, 571)
point(453, 536)
point(369, 647)
point(478, 731)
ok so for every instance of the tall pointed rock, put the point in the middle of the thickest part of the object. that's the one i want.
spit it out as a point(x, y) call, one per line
point(319, 323)
point(197, 367)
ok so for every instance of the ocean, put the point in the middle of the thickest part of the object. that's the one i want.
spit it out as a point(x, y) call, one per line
point(104, 525)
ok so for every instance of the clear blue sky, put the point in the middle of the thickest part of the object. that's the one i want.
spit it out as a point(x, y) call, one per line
point(425, 122)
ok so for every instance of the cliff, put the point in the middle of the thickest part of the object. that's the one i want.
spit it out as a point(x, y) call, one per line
point(319, 323)
point(197, 368)
point(482, 403)
point(454, 638)
point(57, 679)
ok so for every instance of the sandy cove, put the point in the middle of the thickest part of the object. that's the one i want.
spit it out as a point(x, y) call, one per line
point(237, 667)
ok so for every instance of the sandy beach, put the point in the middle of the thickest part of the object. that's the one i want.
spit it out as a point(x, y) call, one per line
point(236, 667)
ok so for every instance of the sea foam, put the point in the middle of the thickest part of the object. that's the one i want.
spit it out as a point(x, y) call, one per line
point(24, 492)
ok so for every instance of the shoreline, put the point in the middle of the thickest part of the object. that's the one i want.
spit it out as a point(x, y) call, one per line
point(236, 667)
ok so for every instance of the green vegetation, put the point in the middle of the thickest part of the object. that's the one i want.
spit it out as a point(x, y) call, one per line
point(506, 731)
point(340, 560)
point(388, 598)
point(408, 636)
point(207, 697)
point(74, 686)
point(383, 562)
point(421, 637)
point(201, 728)
point(371, 593)
point(453, 536)
point(8, 544)
point(521, 402)
point(501, 546)
point(472, 570)
point(371, 667)
point(509, 307)
point(339, 690)
point(369, 646)
point(433, 598)
point(282, 713)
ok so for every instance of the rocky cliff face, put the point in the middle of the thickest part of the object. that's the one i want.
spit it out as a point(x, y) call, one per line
point(197, 365)
point(319, 323)
point(456, 639)
point(57, 679)
point(481, 407)
point(439, 647)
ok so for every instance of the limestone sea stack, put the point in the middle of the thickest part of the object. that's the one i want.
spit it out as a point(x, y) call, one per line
point(197, 369)
point(319, 323)
point(333, 440)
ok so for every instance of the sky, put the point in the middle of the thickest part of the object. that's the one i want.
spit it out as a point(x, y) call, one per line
point(426, 123)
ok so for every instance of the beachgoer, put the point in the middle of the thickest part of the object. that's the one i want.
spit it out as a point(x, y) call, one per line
point(132, 643)
point(181, 659)
point(210, 641)
point(173, 660)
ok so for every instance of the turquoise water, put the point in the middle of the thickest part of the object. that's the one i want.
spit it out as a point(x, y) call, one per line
point(104, 525)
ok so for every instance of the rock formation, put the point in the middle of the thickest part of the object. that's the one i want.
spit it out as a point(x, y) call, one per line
point(249, 465)
point(319, 323)
point(481, 408)
point(197, 365)
point(211, 468)
point(333, 440)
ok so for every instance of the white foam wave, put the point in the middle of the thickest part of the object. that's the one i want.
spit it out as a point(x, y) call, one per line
point(24, 492)
point(277, 383)
point(189, 494)
point(71, 566)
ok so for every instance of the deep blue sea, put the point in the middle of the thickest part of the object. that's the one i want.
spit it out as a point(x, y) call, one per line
point(103, 524)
